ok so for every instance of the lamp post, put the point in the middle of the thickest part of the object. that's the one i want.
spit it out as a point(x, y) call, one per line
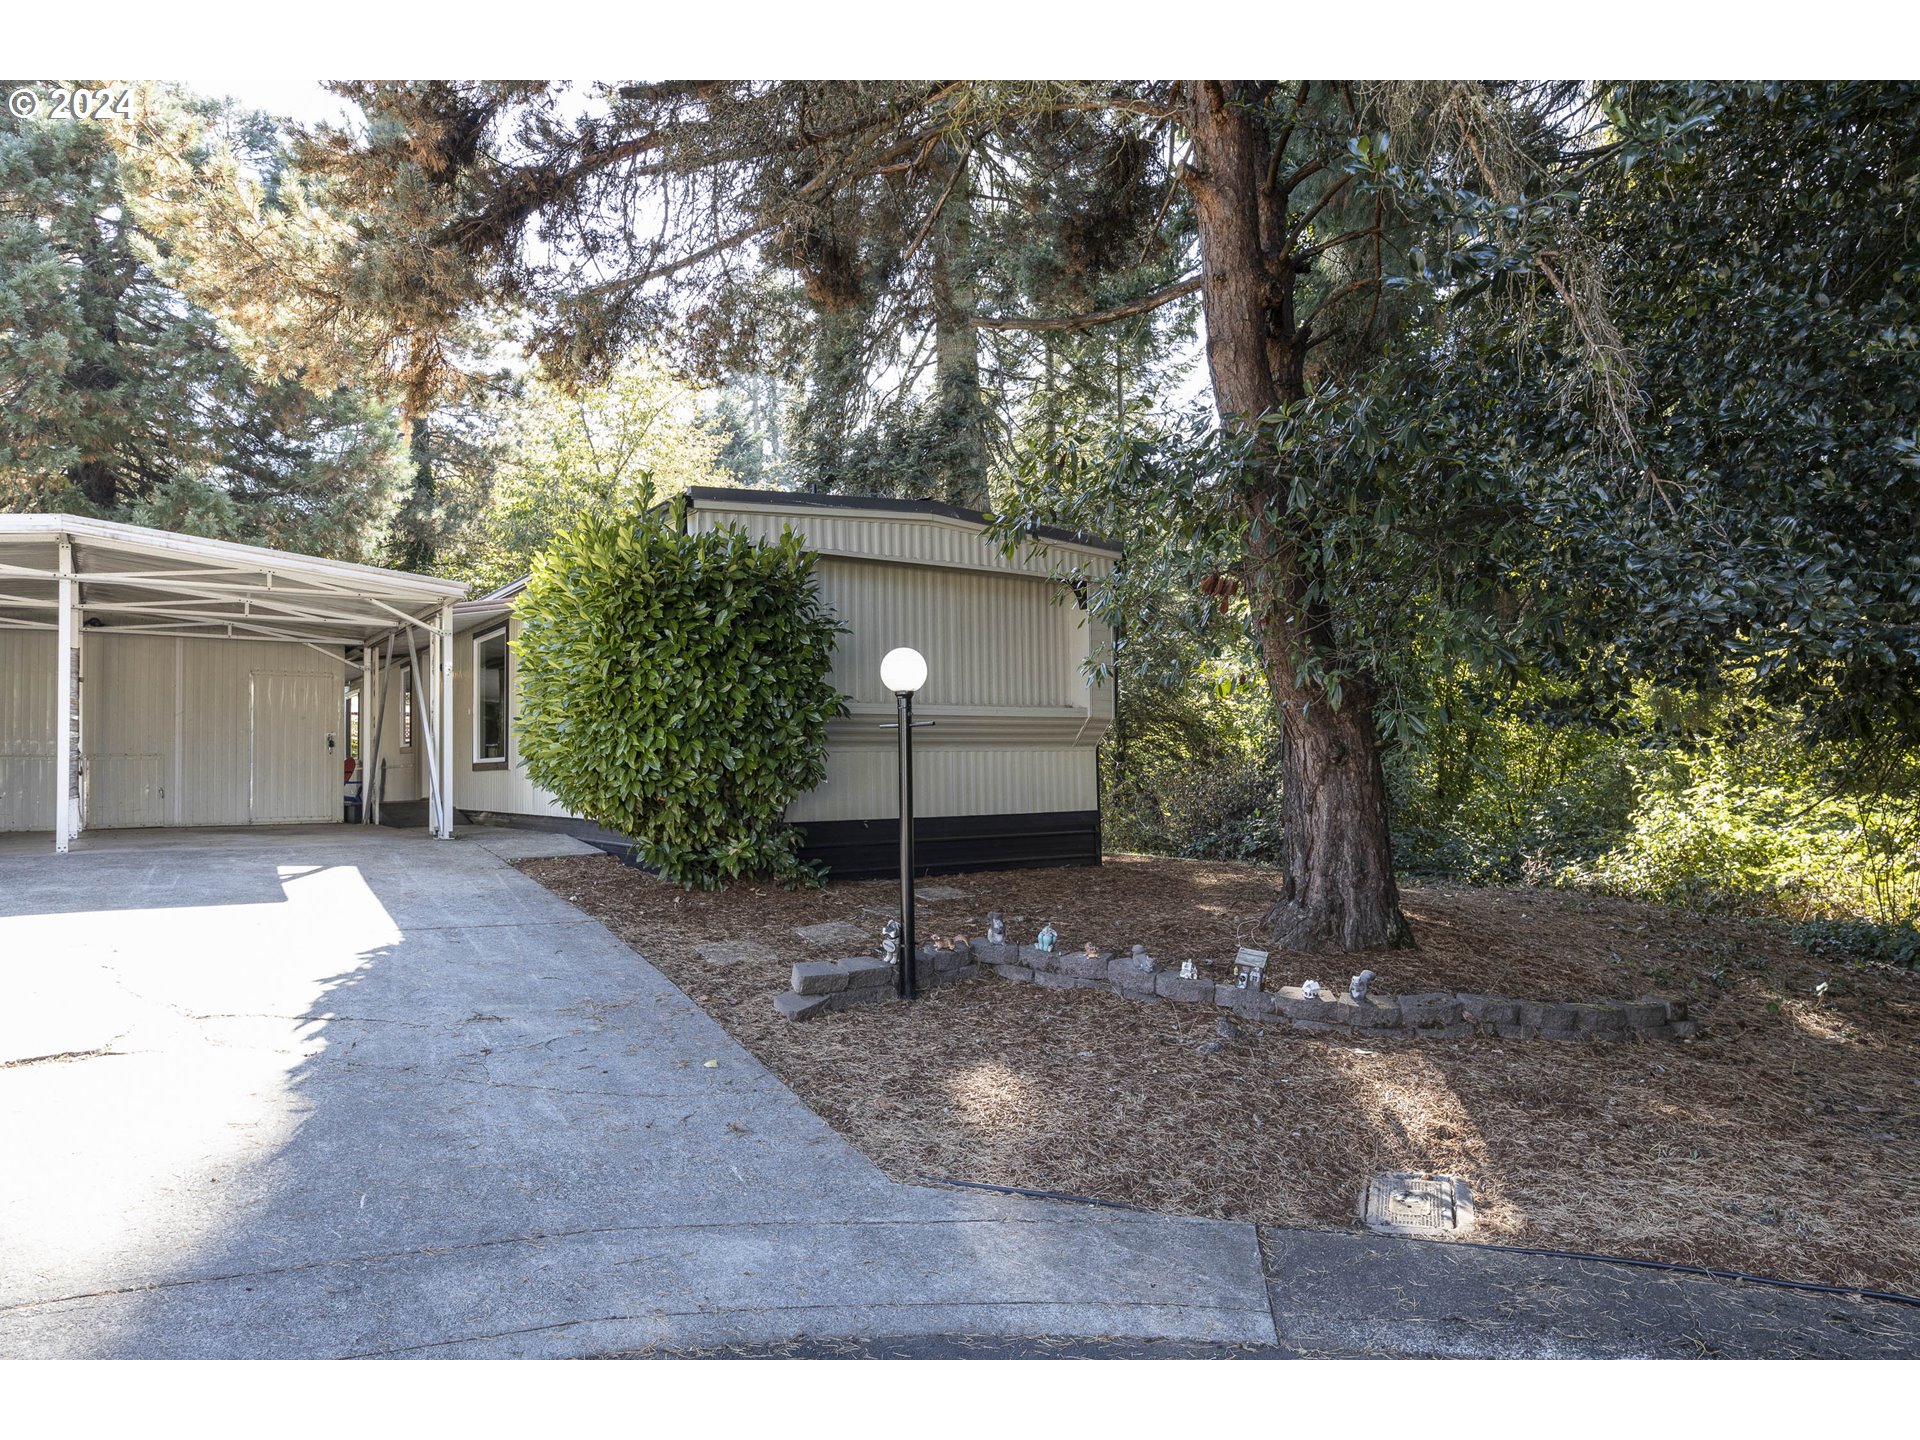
point(904, 671)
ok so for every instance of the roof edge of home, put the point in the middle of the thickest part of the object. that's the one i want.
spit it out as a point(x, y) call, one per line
point(87, 528)
point(721, 495)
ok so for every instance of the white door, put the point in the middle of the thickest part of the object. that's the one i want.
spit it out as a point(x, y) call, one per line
point(296, 775)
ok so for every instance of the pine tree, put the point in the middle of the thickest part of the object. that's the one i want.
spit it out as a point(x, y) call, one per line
point(120, 398)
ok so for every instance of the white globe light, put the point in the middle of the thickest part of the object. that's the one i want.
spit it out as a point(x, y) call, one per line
point(903, 671)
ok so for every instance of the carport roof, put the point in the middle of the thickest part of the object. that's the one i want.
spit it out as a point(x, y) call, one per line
point(136, 581)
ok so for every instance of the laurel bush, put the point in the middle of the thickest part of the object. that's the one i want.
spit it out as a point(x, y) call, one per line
point(674, 690)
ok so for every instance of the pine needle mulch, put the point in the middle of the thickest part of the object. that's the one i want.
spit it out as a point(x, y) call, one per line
point(1784, 1141)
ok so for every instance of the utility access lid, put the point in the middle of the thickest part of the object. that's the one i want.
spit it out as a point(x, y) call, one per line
point(1436, 1207)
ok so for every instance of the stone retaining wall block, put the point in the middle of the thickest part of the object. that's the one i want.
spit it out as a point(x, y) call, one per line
point(1082, 966)
point(1373, 1013)
point(1491, 1011)
point(1295, 1004)
point(1422, 1012)
point(1169, 986)
point(865, 971)
point(801, 1007)
point(818, 977)
point(1644, 1016)
point(1034, 958)
point(1604, 1021)
point(1548, 1017)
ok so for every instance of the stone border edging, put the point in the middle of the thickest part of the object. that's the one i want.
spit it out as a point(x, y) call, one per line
point(830, 985)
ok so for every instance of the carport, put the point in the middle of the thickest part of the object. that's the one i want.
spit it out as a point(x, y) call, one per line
point(118, 681)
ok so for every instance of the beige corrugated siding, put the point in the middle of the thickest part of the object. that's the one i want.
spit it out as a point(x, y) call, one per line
point(1018, 723)
point(26, 729)
point(903, 539)
point(990, 640)
point(129, 724)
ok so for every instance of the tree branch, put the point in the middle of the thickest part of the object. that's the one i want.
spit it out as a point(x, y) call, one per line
point(1099, 317)
point(1350, 288)
point(1336, 242)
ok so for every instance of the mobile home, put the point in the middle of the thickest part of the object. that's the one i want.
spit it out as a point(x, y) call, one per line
point(1008, 773)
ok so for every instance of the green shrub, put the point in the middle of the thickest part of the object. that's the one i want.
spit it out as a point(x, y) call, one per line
point(1759, 823)
point(1889, 943)
point(674, 689)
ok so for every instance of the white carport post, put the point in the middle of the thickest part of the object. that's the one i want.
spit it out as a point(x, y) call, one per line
point(443, 704)
point(66, 809)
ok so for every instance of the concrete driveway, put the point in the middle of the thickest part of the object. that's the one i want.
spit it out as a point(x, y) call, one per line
point(334, 1092)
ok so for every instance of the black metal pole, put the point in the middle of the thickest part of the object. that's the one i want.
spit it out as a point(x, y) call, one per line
point(904, 980)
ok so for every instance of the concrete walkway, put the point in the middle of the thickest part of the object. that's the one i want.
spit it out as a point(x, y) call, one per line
point(349, 1092)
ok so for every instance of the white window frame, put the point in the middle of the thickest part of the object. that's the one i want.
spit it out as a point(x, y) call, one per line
point(405, 697)
point(504, 759)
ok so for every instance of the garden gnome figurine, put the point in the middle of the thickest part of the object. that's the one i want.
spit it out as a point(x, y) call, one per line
point(1311, 989)
point(1358, 988)
point(890, 942)
point(996, 928)
point(1046, 938)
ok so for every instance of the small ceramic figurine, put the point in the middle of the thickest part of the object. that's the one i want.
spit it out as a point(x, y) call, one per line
point(1046, 938)
point(1311, 989)
point(1093, 951)
point(940, 944)
point(996, 928)
point(890, 942)
point(1187, 972)
point(1141, 960)
point(1358, 988)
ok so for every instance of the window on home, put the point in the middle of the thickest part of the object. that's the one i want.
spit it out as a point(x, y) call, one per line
point(490, 698)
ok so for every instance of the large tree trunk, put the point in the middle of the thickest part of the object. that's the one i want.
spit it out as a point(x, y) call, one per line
point(1339, 892)
point(413, 541)
point(961, 409)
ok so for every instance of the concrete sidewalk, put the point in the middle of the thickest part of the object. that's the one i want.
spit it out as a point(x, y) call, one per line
point(351, 1092)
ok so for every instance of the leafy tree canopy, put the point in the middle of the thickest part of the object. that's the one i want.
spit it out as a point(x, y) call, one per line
point(562, 453)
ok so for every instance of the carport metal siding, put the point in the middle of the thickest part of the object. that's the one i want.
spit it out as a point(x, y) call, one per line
point(26, 729)
point(182, 747)
point(169, 731)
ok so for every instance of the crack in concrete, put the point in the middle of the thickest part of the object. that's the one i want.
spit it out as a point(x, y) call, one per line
point(546, 1237)
point(62, 1056)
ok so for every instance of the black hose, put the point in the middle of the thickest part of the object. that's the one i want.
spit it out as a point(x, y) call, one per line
point(1892, 1297)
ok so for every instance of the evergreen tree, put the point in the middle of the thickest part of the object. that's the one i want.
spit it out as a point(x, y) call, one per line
point(120, 398)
